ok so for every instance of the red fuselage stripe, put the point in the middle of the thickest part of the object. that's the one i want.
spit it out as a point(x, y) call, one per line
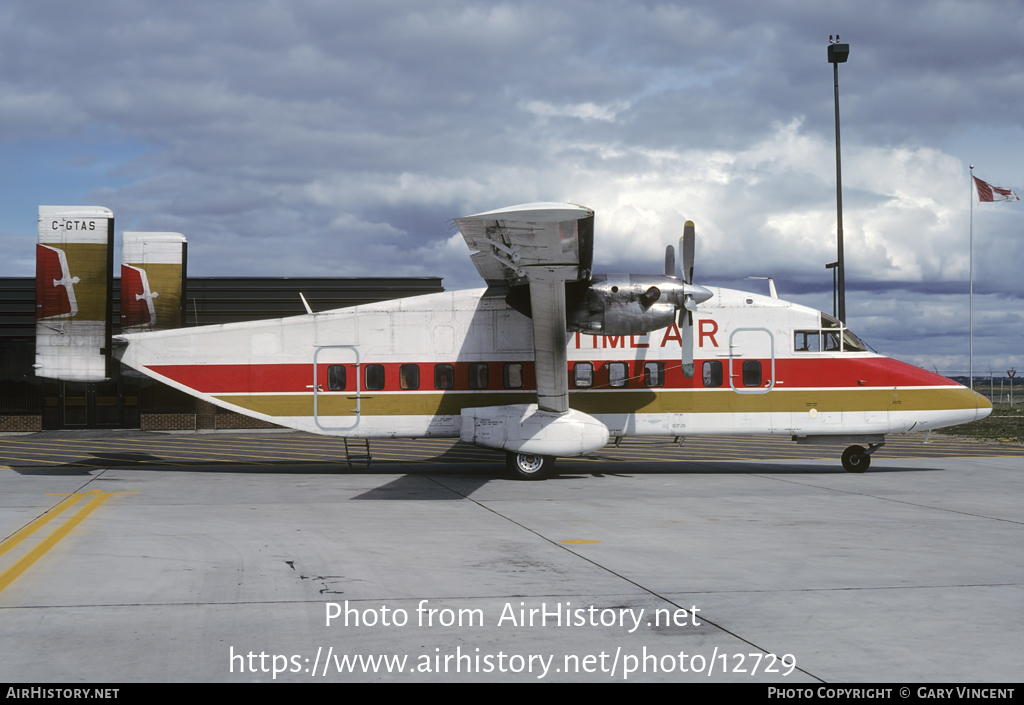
point(790, 373)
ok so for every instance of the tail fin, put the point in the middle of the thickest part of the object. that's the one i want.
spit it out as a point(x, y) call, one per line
point(74, 292)
point(152, 281)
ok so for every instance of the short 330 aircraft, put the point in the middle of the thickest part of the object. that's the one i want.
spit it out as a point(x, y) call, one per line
point(549, 360)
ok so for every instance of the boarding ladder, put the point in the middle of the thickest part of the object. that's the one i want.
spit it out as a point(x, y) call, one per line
point(355, 455)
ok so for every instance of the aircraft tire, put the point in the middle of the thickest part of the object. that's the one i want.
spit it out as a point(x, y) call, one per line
point(855, 460)
point(525, 466)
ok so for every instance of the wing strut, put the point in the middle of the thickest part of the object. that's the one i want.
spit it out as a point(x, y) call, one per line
point(547, 299)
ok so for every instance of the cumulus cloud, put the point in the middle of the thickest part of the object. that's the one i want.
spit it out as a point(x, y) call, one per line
point(341, 139)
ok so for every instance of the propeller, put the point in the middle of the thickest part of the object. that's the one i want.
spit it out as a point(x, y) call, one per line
point(691, 294)
point(685, 314)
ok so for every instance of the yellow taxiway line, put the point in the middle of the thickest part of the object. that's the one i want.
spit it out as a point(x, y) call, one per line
point(97, 497)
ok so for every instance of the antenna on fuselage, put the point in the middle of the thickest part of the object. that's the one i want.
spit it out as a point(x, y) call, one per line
point(771, 286)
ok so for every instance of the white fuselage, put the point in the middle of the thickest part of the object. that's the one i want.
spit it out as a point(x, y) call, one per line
point(407, 368)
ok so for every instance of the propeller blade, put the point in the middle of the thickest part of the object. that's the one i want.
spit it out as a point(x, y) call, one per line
point(686, 332)
point(670, 261)
point(687, 245)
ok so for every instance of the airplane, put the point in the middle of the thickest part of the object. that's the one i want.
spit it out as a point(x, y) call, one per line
point(550, 359)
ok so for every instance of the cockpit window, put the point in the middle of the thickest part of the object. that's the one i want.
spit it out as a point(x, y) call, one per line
point(807, 341)
point(852, 343)
point(831, 337)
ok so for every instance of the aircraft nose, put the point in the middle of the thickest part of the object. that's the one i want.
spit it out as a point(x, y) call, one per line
point(984, 407)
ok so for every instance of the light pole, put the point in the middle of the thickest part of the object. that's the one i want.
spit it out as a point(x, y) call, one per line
point(837, 54)
point(970, 299)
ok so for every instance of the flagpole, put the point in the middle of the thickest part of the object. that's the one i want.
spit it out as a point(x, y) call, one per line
point(988, 194)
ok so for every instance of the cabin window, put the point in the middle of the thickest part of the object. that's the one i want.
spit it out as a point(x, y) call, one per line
point(583, 375)
point(375, 376)
point(751, 373)
point(444, 376)
point(478, 375)
point(409, 376)
point(654, 374)
point(618, 374)
point(712, 373)
point(807, 341)
point(335, 378)
point(512, 375)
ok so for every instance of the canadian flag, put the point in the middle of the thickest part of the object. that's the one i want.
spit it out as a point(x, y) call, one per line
point(988, 192)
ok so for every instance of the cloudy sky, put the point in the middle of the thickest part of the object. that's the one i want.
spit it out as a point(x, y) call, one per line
point(327, 138)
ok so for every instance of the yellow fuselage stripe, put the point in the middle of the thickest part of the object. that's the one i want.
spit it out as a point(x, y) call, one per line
point(645, 401)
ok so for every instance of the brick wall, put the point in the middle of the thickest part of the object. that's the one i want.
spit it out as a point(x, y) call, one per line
point(24, 423)
point(211, 417)
point(167, 422)
point(230, 419)
point(206, 415)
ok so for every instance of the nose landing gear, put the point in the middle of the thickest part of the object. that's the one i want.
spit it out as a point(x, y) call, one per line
point(857, 459)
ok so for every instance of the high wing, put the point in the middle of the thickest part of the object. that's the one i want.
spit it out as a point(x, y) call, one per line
point(544, 245)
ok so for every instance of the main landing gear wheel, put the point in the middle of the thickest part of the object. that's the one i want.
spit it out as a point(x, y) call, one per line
point(529, 467)
point(855, 459)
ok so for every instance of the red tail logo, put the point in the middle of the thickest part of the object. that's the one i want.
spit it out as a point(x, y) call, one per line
point(137, 307)
point(55, 291)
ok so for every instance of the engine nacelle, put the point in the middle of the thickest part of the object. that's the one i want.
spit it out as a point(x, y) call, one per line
point(523, 428)
point(625, 304)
